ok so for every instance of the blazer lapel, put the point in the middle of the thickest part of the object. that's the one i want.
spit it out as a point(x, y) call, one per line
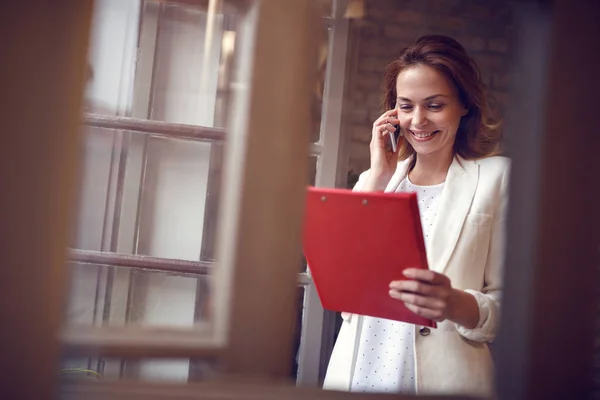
point(457, 196)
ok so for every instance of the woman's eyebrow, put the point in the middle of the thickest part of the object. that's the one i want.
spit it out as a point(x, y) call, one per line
point(426, 99)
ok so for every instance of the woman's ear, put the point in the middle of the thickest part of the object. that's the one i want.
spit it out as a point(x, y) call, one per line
point(465, 111)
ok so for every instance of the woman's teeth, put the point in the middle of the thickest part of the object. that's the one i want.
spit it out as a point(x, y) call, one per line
point(422, 135)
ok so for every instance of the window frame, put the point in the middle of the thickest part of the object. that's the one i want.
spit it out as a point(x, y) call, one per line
point(109, 341)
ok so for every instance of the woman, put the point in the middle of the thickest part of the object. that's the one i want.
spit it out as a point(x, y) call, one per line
point(447, 154)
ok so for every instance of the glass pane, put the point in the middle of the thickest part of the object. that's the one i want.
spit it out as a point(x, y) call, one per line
point(191, 65)
point(317, 104)
point(112, 55)
point(148, 195)
point(117, 296)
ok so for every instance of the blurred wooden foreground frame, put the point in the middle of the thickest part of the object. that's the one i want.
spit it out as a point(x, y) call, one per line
point(42, 75)
point(544, 349)
point(254, 293)
point(553, 244)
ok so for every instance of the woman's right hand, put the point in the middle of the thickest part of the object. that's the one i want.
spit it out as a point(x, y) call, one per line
point(383, 160)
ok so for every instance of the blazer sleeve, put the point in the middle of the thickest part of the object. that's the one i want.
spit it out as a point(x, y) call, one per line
point(362, 178)
point(488, 299)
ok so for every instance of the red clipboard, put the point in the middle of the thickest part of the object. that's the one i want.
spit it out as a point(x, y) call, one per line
point(356, 243)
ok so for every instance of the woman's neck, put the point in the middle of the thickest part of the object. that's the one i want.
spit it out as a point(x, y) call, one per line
point(430, 169)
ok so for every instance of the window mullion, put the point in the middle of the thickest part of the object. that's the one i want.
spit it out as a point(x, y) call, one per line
point(155, 128)
point(314, 316)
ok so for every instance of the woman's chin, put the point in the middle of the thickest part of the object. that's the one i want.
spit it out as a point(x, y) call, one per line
point(423, 147)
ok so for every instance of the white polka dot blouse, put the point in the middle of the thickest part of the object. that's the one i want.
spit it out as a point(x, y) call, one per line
point(385, 360)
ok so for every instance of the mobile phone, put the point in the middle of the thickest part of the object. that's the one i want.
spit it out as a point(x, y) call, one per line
point(394, 138)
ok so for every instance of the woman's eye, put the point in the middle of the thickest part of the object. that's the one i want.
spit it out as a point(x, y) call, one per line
point(405, 107)
point(436, 107)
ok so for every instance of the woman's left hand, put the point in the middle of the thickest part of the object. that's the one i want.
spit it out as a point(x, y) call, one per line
point(427, 293)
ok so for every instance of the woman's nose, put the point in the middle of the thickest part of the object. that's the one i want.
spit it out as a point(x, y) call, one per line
point(419, 118)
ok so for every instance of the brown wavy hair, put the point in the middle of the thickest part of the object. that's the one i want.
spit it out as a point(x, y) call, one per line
point(479, 132)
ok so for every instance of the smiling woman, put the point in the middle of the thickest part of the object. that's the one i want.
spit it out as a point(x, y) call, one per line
point(442, 64)
point(445, 153)
point(428, 122)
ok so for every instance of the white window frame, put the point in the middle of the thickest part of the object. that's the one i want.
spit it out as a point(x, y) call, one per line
point(311, 351)
point(108, 340)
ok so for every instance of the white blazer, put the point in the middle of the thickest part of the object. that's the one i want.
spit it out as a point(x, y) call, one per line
point(466, 244)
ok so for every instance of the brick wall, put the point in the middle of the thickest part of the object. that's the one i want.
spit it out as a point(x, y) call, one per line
point(483, 27)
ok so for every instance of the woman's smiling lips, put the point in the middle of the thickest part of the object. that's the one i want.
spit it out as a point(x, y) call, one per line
point(422, 136)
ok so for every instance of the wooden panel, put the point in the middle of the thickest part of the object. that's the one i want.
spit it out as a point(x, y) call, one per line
point(219, 390)
point(42, 77)
point(133, 341)
point(263, 196)
point(545, 346)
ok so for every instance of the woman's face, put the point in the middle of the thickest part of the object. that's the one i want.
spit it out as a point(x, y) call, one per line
point(428, 109)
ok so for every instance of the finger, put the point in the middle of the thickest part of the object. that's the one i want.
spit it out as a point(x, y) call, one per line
point(382, 129)
point(430, 303)
point(426, 275)
point(387, 120)
point(412, 286)
point(380, 132)
point(435, 315)
point(386, 129)
point(386, 117)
